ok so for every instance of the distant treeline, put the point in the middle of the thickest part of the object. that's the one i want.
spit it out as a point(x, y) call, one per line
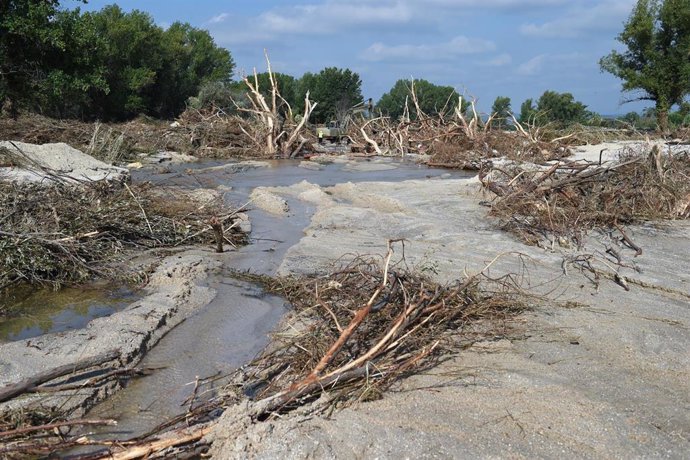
point(113, 65)
point(107, 64)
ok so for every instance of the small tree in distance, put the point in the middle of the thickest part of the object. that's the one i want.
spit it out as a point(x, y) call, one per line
point(657, 60)
point(559, 108)
point(501, 111)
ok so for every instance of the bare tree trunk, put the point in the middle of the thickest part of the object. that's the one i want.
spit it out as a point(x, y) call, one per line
point(278, 132)
point(662, 109)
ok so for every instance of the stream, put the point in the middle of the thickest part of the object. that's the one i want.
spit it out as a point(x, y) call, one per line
point(235, 326)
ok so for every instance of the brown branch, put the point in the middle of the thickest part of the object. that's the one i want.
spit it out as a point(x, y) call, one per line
point(26, 385)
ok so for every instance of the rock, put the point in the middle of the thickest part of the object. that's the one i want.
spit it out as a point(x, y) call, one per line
point(41, 163)
point(168, 157)
point(310, 165)
point(244, 224)
point(269, 202)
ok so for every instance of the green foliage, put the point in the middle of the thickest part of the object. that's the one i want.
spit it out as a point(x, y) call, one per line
point(557, 108)
point(216, 94)
point(37, 65)
point(433, 99)
point(107, 64)
point(334, 90)
point(501, 110)
point(528, 112)
point(656, 62)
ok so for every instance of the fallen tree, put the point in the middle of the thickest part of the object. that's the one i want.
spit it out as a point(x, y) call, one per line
point(272, 127)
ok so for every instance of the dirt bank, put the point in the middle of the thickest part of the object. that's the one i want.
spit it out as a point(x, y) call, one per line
point(175, 290)
point(597, 372)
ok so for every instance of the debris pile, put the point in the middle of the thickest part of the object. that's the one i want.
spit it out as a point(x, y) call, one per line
point(570, 198)
point(62, 234)
point(356, 331)
point(352, 334)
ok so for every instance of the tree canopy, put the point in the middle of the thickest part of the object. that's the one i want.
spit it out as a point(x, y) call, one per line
point(656, 62)
point(433, 99)
point(335, 91)
point(107, 64)
point(501, 111)
point(553, 107)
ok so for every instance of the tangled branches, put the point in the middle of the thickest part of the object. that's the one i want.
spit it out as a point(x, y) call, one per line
point(356, 331)
point(61, 234)
point(569, 199)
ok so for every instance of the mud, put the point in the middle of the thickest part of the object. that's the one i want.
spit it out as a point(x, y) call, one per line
point(595, 372)
point(175, 291)
point(44, 160)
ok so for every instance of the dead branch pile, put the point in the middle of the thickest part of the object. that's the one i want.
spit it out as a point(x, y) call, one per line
point(453, 138)
point(569, 199)
point(358, 330)
point(271, 127)
point(65, 234)
point(205, 133)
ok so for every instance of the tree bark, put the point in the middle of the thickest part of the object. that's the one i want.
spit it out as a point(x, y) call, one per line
point(662, 116)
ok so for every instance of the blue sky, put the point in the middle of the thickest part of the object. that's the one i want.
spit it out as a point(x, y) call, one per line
point(484, 48)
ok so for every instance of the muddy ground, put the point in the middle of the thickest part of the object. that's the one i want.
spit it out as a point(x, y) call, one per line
point(592, 371)
point(596, 371)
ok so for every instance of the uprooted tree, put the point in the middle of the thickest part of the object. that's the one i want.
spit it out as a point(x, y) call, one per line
point(273, 127)
point(657, 60)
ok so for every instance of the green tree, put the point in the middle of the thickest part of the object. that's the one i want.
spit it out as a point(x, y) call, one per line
point(559, 108)
point(133, 55)
point(657, 61)
point(335, 90)
point(36, 45)
point(433, 99)
point(501, 111)
point(190, 60)
point(528, 112)
point(71, 70)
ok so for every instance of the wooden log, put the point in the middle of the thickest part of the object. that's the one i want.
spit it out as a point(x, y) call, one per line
point(19, 388)
point(52, 426)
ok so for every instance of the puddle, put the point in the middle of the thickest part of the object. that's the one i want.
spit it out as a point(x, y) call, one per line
point(30, 312)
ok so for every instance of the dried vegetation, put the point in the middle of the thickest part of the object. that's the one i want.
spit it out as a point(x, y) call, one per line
point(570, 198)
point(60, 233)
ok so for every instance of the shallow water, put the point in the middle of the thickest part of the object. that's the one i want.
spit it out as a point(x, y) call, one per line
point(30, 312)
point(234, 327)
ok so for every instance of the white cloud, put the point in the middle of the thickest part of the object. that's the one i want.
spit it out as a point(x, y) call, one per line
point(498, 61)
point(532, 67)
point(457, 46)
point(219, 18)
point(580, 20)
point(558, 63)
point(500, 4)
point(326, 18)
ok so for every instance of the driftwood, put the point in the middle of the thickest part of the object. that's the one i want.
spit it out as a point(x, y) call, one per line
point(570, 199)
point(29, 384)
point(274, 130)
point(53, 426)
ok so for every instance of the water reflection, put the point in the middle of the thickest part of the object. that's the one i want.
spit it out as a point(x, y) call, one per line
point(27, 312)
